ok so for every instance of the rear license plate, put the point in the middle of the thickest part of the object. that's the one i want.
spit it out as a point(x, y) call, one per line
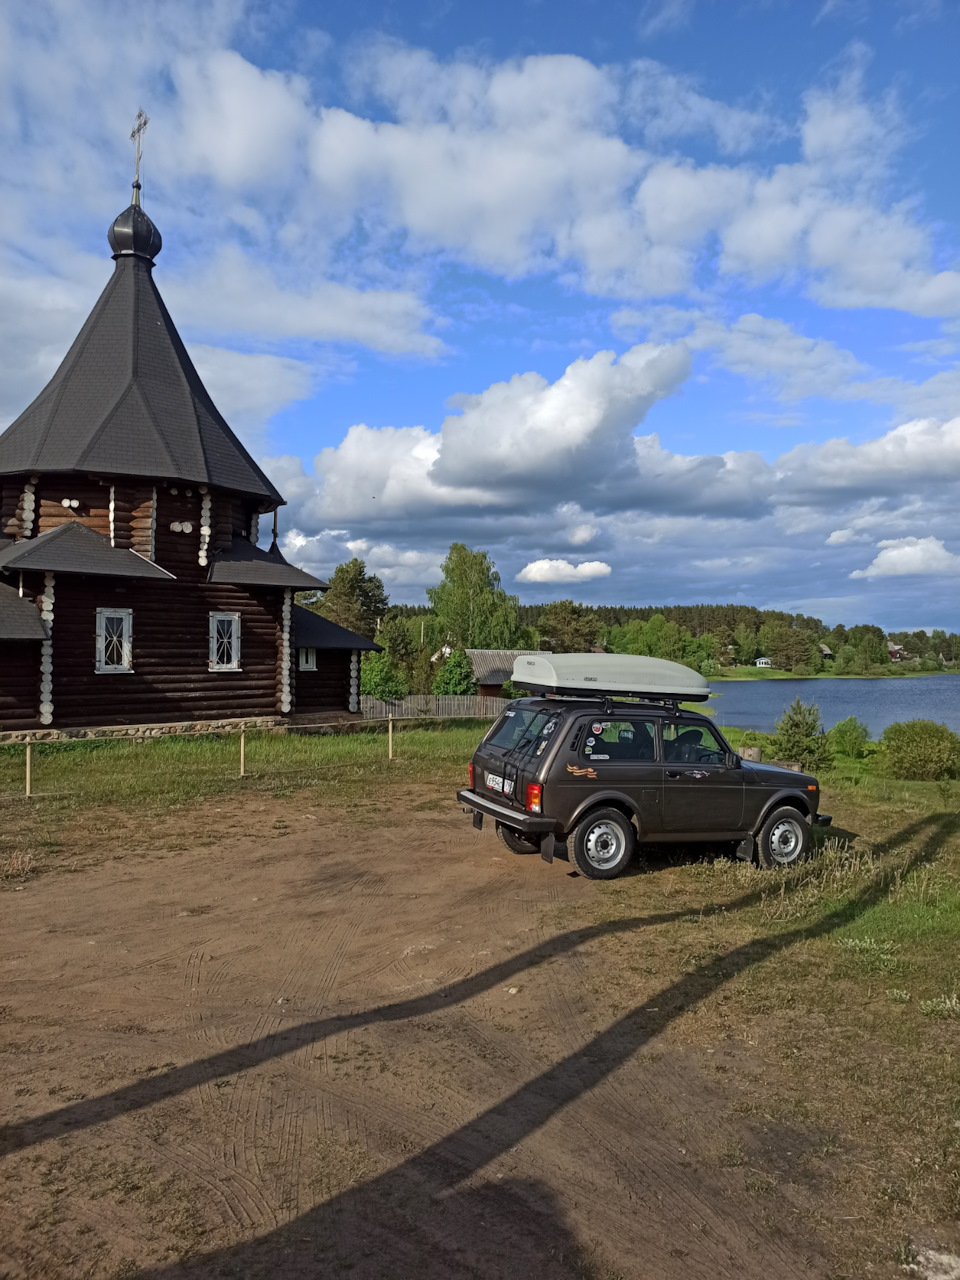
point(493, 781)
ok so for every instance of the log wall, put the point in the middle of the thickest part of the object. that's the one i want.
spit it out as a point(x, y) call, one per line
point(10, 494)
point(171, 679)
point(327, 688)
point(19, 684)
point(93, 500)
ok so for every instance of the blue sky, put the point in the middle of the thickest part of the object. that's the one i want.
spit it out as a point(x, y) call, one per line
point(656, 302)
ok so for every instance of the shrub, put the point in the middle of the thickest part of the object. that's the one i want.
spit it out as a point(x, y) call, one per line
point(380, 679)
point(920, 751)
point(800, 737)
point(510, 690)
point(849, 737)
point(456, 675)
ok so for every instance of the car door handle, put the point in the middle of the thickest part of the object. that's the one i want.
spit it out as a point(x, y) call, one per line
point(673, 773)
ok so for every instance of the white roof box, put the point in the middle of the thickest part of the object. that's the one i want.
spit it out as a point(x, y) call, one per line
point(597, 675)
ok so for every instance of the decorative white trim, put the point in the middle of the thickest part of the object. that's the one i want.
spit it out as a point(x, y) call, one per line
point(205, 525)
point(102, 667)
point(255, 527)
point(355, 680)
point(286, 701)
point(152, 554)
point(28, 507)
point(233, 665)
point(112, 511)
point(46, 651)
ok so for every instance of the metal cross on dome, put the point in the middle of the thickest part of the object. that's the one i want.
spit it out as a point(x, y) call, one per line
point(140, 124)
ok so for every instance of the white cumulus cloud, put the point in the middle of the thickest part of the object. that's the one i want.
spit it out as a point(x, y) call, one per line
point(563, 571)
point(899, 556)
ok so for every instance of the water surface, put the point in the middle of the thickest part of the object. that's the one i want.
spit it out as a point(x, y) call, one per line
point(758, 704)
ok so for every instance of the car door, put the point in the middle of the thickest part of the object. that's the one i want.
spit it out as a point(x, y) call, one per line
point(701, 793)
point(606, 755)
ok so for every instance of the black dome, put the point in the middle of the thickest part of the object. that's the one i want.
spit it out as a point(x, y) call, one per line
point(133, 233)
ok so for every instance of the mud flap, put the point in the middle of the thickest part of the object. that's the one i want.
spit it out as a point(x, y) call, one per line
point(746, 849)
point(551, 847)
point(478, 819)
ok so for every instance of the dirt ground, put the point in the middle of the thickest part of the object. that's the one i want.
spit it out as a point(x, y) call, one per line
point(315, 1047)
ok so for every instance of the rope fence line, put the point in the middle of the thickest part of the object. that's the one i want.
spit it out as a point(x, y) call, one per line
point(241, 729)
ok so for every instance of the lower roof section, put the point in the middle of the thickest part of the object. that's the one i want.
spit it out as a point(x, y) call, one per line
point(245, 564)
point(311, 631)
point(20, 618)
point(73, 548)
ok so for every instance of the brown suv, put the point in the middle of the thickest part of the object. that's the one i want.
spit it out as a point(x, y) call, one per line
point(604, 775)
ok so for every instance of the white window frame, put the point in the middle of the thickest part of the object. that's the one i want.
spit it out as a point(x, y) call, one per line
point(234, 664)
point(102, 666)
point(306, 659)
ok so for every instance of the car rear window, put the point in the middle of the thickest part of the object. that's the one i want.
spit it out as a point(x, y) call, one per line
point(520, 725)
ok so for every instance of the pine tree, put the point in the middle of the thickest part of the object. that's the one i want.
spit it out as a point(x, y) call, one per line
point(800, 737)
point(355, 599)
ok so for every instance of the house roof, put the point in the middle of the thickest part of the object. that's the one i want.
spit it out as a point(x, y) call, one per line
point(494, 666)
point(20, 618)
point(127, 399)
point(311, 631)
point(73, 548)
point(246, 564)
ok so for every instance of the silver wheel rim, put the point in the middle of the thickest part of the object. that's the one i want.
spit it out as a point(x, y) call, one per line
point(786, 841)
point(604, 845)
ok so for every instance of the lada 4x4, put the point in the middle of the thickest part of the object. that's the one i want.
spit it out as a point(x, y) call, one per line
point(604, 758)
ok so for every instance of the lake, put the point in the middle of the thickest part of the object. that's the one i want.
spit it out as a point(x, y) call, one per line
point(758, 704)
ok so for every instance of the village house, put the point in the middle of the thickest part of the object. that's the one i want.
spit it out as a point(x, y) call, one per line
point(132, 586)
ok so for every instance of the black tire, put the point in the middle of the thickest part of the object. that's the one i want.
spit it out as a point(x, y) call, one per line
point(603, 844)
point(784, 838)
point(517, 843)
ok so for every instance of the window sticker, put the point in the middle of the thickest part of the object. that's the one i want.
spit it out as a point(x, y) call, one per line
point(509, 713)
point(601, 757)
point(587, 750)
point(591, 741)
point(596, 728)
point(508, 786)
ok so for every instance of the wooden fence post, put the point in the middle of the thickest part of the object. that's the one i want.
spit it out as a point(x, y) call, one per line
point(389, 737)
point(243, 753)
point(29, 769)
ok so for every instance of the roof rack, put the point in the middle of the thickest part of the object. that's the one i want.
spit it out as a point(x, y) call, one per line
point(605, 676)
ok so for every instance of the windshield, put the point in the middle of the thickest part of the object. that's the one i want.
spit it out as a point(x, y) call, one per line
point(518, 726)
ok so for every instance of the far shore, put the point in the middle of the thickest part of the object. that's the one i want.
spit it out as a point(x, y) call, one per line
point(766, 673)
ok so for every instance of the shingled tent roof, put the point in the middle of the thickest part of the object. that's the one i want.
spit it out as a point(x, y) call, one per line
point(127, 400)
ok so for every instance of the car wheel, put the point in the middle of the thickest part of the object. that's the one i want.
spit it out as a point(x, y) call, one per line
point(603, 844)
point(784, 838)
point(517, 843)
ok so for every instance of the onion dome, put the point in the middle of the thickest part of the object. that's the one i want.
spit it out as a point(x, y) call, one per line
point(133, 234)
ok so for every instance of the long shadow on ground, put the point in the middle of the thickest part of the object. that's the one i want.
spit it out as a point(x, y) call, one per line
point(415, 1220)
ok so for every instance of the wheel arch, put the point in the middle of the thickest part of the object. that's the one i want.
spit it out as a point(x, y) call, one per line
point(604, 800)
point(786, 799)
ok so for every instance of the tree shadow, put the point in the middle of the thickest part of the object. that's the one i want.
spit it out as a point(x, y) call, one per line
point(419, 1204)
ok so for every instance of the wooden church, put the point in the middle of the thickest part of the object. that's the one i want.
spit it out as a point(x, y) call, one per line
point(132, 588)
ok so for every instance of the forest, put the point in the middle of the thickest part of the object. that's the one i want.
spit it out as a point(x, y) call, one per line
point(423, 645)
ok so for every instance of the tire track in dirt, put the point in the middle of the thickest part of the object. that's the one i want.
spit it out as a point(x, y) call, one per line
point(262, 1110)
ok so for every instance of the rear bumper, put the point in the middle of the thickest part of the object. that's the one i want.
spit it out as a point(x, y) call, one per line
point(822, 819)
point(529, 823)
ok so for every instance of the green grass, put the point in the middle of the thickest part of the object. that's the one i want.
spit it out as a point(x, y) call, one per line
point(176, 770)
